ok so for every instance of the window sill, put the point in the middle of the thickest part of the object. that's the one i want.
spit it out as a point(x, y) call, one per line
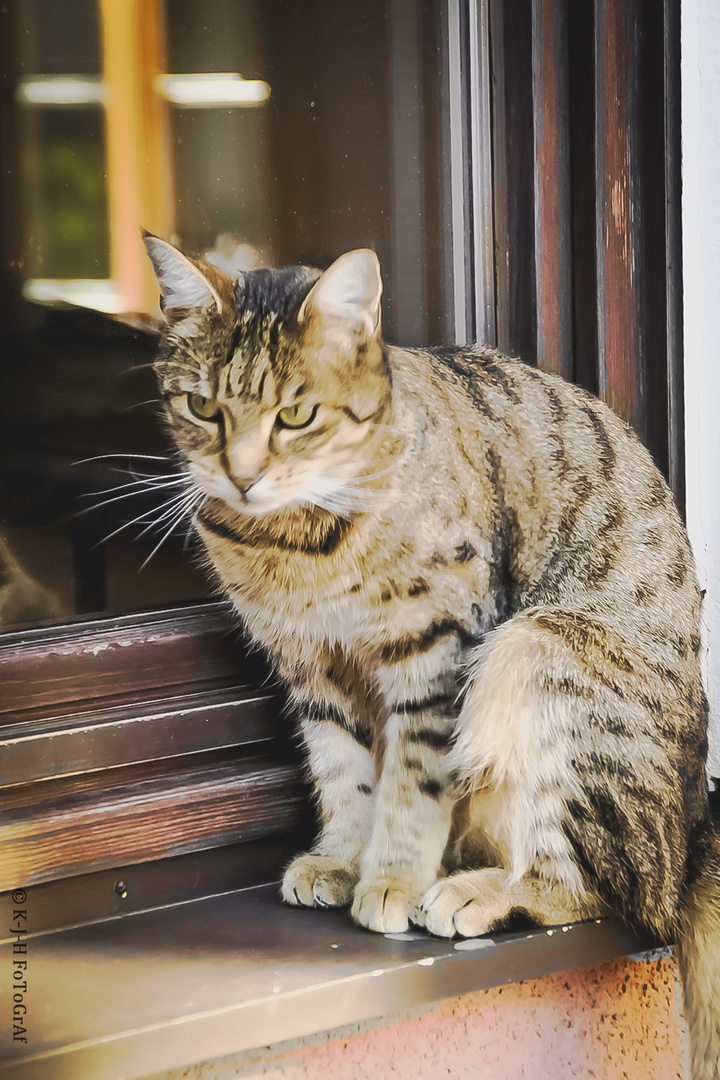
point(231, 973)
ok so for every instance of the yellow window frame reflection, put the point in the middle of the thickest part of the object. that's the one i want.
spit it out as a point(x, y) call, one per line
point(135, 94)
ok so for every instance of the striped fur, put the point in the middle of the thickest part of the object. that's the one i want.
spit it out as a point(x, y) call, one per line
point(479, 593)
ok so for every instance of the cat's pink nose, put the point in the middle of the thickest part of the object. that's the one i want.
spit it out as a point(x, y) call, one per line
point(245, 460)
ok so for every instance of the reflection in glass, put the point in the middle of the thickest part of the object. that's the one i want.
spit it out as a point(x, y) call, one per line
point(326, 137)
point(63, 178)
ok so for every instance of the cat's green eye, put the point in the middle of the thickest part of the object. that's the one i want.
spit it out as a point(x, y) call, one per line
point(296, 416)
point(203, 407)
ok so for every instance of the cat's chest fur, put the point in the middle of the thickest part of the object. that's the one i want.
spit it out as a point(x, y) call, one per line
point(394, 573)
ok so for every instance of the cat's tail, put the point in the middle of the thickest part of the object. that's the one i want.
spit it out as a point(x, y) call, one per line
point(699, 955)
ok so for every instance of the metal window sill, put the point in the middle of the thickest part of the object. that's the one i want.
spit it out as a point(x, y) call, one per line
point(170, 987)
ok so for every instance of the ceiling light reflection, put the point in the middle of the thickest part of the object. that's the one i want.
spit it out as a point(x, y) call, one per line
point(213, 90)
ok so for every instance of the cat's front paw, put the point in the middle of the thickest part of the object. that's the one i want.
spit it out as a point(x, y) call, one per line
point(468, 904)
point(385, 905)
point(318, 881)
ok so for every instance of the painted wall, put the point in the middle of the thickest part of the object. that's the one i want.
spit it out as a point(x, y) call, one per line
point(609, 1021)
point(701, 274)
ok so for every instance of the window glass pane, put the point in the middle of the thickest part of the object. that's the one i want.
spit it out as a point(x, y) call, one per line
point(339, 148)
point(223, 197)
point(65, 205)
point(217, 35)
point(57, 37)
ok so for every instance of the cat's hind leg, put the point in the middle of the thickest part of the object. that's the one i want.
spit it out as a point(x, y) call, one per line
point(558, 752)
point(530, 712)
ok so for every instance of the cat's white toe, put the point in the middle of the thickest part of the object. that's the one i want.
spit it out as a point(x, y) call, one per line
point(471, 919)
point(439, 906)
point(382, 907)
point(466, 903)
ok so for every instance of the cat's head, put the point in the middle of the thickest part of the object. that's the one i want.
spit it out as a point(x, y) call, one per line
point(275, 382)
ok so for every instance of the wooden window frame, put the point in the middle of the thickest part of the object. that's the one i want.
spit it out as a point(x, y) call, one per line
point(134, 747)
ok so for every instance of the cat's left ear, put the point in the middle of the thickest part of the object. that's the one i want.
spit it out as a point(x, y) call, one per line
point(182, 284)
point(349, 290)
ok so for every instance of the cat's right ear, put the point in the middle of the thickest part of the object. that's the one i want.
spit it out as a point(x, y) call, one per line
point(181, 283)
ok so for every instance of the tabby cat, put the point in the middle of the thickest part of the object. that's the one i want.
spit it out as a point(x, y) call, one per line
point(477, 589)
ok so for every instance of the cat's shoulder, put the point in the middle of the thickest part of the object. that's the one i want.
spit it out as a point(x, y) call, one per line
point(525, 383)
point(488, 367)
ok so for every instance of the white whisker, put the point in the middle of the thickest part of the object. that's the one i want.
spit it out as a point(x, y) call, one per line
point(181, 496)
point(136, 473)
point(121, 528)
point(184, 512)
point(179, 504)
point(343, 501)
point(132, 489)
point(363, 478)
point(105, 457)
point(141, 367)
point(139, 487)
point(176, 501)
point(152, 477)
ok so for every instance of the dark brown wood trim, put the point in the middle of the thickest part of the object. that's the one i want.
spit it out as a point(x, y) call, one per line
point(673, 251)
point(614, 210)
point(38, 748)
point(140, 814)
point(131, 888)
point(553, 270)
point(146, 655)
point(513, 177)
point(131, 740)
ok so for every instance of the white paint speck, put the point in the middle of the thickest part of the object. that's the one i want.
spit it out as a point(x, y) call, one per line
point(427, 961)
point(94, 650)
point(474, 943)
point(378, 971)
point(334, 946)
